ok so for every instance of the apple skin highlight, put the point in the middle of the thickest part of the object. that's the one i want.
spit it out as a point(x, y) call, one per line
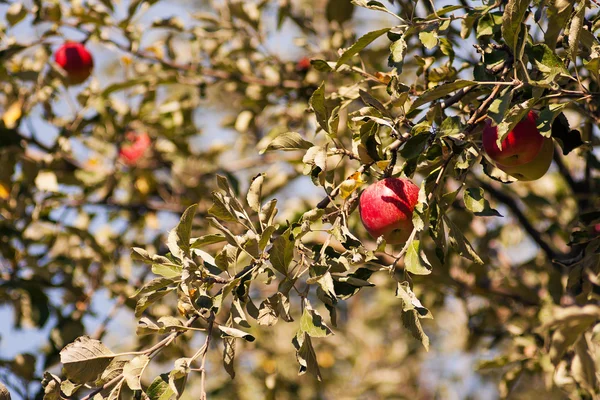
point(76, 60)
point(386, 209)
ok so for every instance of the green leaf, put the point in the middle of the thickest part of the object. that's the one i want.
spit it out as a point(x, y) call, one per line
point(512, 118)
point(133, 370)
point(312, 323)
point(397, 53)
point(570, 323)
point(488, 24)
point(477, 204)
point(235, 333)
point(547, 62)
point(360, 44)
point(147, 300)
point(514, 12)
point(321, 65)
point(305, 354)
point(410, 301)
point(414, 146)
point(459, 242)
point(265, 236)
point(288, 141)
point(347, 288)
point(273, 308)
point(254, 192)
point(85, 359)
point(558, 12)
point(324, 115)
point(268, 212)
point(415, 262)
point(229, 236)
point(221, 208)
point(159, 388)
point(547, 116)
point(115, 393)
point(496, 173)
point(67, 387)
point(227, 257)
point(207, 240)
point(500, 106)
point(451, 126)
point(584, 365)
point(167, 270)
point(178, 376)
point(114, 369)
point(429, 39)
point(229, 355)
point(575, 29)
point(593, 66)
point(440, 91)
point(15, 13)
point(179, 238)
point(153, 285)
point(410, 320)
point(339, 10)
point(282, 253)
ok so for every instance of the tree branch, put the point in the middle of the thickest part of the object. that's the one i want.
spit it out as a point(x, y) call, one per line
point(514, 208)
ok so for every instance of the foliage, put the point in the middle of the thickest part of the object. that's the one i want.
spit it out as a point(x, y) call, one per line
point(510, 271)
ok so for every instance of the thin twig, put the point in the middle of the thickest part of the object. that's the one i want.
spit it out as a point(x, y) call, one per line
point(211, 320)
point(151, 352)
point(514, 208)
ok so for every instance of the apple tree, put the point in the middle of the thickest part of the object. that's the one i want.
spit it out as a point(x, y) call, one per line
point(299, 199)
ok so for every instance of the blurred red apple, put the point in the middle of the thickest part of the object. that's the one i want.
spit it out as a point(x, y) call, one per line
point(386, 209)
point(520, 146)
point(303, 65)
point(134, 148)
point(76, 61)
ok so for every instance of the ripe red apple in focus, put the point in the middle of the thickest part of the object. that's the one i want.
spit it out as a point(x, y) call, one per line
point(134, 149)
point(520, 146)
point(386, 209)
point(535, 168)
point(76, 61)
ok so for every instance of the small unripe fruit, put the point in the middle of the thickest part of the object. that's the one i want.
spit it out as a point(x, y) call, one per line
point(386, 209)
point(76, 61)
point(136, 147)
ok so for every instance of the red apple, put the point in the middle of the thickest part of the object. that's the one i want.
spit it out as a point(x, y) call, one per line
point(303, 65)
point(135, 148)
point(76, 61)
point(535, 168)
point(520, 146)
point(386, 209)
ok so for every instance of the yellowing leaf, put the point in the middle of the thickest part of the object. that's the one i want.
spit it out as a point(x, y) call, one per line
point(347, 187)
point(4, 191)
point(383, 164)
point(142, 185)
point(12, 115)
point(350, 185)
